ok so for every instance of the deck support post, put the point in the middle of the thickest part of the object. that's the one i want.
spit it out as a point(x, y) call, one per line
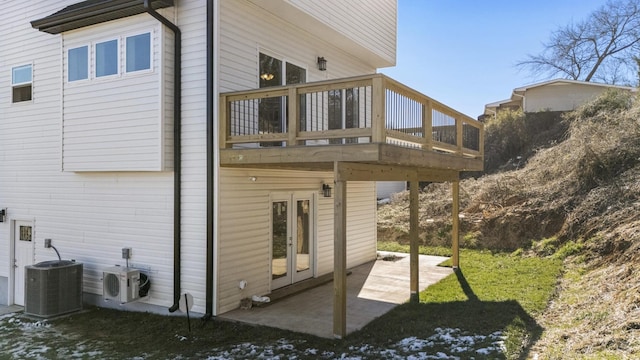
point(455, 222)
point(339, 255)
point(413, 240)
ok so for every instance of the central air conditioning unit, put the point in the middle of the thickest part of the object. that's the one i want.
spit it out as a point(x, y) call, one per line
point(53, 288)
point(121, 284)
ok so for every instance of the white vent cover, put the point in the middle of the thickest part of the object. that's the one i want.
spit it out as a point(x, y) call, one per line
point(121, 284)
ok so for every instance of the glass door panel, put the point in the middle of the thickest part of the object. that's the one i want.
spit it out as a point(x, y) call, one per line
point(302, 236)
point(279, 247)
point(270, 112)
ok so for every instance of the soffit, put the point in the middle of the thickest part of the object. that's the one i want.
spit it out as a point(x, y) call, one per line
point(91, 12)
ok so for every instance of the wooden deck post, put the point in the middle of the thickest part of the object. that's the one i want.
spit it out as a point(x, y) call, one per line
point(292, 117)
point(339, 256)
point(427, 125)
point(378, 103)
point(455, 221)
point(224, 122)
point(413, 240)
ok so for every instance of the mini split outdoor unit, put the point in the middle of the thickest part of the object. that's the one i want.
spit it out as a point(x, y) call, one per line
point(121, 284)
point(53, 288)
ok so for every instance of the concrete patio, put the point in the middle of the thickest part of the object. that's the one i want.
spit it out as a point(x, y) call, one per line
point(4, 309)
point(372, 290)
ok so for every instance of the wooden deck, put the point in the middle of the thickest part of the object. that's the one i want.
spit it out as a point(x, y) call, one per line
point(367, 128)
point(370, 120)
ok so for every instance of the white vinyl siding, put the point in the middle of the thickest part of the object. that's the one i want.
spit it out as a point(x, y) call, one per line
point(361, 227)
point(246, 30)
point(371, 23)
point(244, 223)
point(192, 22)
point(112, 136)
point(91, 216)
point(115, 121)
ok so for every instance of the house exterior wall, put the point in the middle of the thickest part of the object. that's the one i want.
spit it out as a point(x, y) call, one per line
point(246, 30)
point(245, 228)
point(192, 22)
point(91, 212)
point(98, 136)
point(244, 206)
point(559, 97)
point(371, 24)
point(91, 216)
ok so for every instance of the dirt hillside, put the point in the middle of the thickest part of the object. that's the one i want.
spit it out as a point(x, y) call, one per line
point(568, 187)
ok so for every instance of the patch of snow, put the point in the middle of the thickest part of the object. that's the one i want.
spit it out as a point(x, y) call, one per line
point(37, 339)
point(311, 351)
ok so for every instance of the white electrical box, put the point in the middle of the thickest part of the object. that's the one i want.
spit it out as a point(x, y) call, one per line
point(121, 284)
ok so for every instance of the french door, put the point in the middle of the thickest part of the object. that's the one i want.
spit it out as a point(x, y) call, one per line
point(292, 239)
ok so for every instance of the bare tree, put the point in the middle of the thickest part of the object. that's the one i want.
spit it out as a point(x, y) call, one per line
point(602, 47)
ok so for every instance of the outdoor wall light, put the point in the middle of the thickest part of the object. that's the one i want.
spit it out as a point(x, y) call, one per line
point(253, 178)
point(322, 63)
point(3, 214)
point(326, 190)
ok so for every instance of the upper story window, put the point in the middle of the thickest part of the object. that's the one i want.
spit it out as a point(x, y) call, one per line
point(21, 83)
point(138, 52)
point(103, 58)
point(107, 58)
point(273, 73)
point(78, 63)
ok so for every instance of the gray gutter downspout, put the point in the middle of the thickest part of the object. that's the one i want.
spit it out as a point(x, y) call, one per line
point(210, 186)
point(177, 169)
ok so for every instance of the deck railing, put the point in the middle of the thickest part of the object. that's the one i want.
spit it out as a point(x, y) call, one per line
point(365, 109)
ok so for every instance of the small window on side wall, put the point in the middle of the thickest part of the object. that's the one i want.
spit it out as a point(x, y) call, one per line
point(138, 52)
point(21, 83)
point(78, 68)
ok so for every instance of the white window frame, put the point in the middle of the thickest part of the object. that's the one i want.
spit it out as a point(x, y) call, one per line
point(124, 52)
point(68, 62)
point(15, 85)
point(283, 70)
point(94, 62)
point(121, 56)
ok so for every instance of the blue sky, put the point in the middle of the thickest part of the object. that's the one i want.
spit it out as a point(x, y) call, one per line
point(463, 52)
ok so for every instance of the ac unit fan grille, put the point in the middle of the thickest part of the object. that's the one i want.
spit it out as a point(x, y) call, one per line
point(112, 285)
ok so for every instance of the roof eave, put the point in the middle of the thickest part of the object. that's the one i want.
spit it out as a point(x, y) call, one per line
point(93, 12)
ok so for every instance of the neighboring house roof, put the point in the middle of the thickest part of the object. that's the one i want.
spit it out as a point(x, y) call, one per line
point(491, 108)
point(93, 12)
point(523, 89)
point(518, 95)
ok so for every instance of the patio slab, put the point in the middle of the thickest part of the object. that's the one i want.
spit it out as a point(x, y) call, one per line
point(4, 309)
point(373, 289)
